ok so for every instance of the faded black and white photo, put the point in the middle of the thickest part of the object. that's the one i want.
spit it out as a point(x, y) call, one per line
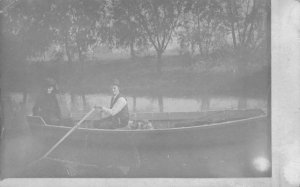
point(136, 89)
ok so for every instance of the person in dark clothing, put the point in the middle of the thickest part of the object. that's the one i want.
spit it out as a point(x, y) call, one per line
point(47, 106)
point(117, 114)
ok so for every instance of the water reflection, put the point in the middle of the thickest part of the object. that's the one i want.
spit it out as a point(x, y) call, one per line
point(160, 103)
point(132, 161)
point(205, 102)
point(70, 103)
point(134, 103)
point(242, 103)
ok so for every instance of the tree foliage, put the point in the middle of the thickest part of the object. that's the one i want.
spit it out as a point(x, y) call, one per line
point(202, 27)
point(126, 31)
point(77, 26)
point(26, 27)
point(246, 19)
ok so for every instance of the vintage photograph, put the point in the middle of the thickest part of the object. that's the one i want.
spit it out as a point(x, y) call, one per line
point(135, 89)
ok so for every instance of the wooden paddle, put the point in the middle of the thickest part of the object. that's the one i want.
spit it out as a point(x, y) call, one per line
point(68, 133)
point(64, 137)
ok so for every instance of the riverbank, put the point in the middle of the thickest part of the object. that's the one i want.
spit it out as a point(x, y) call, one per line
point(140, 78)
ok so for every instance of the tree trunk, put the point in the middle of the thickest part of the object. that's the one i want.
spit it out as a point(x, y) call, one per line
point(192, 48)
point(81, 74)
point(231, 17)
point(80, 58)
point(200, 48)
point(205, 103)
point(249, 37)
point(73, 102)
point(233, 35)
point(134, 103)
point(83, 100)
point(207, 47)
point(132, 51)
point(68, 51)
point(250, 34)
point(159, 62)
point(69, 66)
point(25, 96)
point(242, 103)
point(161, 104)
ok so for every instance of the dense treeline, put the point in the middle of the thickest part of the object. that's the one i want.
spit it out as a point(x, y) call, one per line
point(76, 27)
point(65, 34)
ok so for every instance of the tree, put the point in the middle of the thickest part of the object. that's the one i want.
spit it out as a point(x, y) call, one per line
point(246, 19)
point(126, 32)
point(33, 26)
point(202, 26)
point(157, 19)
point(26, 25)
point(78, 26)
point(214, 24)
point(26, 35)
point(61, 24)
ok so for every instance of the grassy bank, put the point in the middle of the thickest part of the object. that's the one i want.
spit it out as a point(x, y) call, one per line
point(140, 78)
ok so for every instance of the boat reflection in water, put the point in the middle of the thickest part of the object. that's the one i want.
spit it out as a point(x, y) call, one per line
point(231, 143)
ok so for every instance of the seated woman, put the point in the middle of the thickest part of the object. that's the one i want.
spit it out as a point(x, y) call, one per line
point(47, 105)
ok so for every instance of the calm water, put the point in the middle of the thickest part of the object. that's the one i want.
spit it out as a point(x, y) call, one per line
point(69, 161)
point(152, 104)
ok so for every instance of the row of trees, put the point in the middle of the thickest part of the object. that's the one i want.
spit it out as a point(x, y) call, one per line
point(76, 27)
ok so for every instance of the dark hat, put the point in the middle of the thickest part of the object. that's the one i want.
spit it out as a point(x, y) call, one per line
point(50, 82)
point(116, 82)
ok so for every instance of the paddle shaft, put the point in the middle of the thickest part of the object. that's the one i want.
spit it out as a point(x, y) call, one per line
point(60, 141)
point(68, 133)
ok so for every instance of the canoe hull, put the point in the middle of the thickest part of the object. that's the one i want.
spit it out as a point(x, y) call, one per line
point(219, 145)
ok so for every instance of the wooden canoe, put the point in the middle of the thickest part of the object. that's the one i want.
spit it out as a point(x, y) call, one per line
point(238, 132)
